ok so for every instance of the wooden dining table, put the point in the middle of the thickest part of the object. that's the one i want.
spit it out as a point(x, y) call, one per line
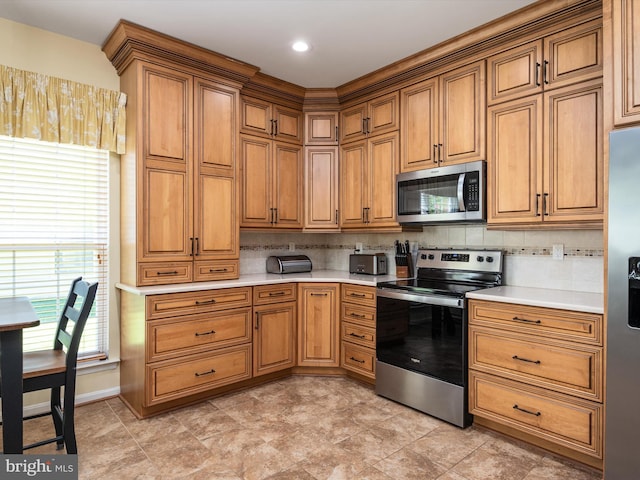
point(16, 313)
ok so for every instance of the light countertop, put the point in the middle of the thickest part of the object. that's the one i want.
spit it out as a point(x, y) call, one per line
point(262, 279)
point(543, 297)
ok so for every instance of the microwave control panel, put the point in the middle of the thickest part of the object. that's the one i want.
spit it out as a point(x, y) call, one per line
point(472, 187)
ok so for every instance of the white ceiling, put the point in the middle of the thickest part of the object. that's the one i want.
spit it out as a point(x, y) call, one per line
point(349, 38)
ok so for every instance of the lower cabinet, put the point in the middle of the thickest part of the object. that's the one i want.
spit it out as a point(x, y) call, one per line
point(274, 336)
point(539, 371)
point(358, 329)
point(318, 324)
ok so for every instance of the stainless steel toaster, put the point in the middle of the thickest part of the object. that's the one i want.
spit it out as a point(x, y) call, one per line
point(288, 264)
point(370, 264)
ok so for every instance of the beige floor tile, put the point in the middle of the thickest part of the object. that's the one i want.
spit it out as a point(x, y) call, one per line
point(409, 465)
point(448, 445)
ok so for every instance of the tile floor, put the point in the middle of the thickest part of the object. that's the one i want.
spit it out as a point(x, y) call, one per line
point(299, 428)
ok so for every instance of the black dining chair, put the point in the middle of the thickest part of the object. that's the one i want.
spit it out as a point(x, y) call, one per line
point(56, 367)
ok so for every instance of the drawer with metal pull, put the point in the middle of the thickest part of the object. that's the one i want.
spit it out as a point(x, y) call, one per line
point(358, 334)
point(175, 304)
point(358, 359)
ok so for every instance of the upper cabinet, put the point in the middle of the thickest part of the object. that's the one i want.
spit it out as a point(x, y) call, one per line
point(321, 188)
point(443, 119)
point(626, 58)
point(570, 56)
point(378, 115)
point(271, 120)
point(321, 128)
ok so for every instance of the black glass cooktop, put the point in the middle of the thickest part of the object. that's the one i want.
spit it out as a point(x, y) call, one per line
point(417, 285)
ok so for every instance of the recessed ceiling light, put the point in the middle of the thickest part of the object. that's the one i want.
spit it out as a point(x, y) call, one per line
point(300, 46)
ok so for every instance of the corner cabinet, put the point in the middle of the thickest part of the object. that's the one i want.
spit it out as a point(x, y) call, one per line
point(318, 324)
point(179, 195)
point(443, 119)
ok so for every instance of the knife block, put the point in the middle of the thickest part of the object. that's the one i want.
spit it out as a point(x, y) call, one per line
point(404, 266)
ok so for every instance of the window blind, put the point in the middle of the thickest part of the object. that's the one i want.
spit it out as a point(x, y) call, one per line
point(54, 205)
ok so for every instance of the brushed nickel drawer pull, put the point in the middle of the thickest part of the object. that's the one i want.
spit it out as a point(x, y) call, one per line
point(516, 407)
point(205, 373)
point(167, 273)
point(206, 302)
point(516, 357)
point(205, 333)
point(276, 294)
point(356, 360)
point(525, 320)
point(357, 336)
point(218, 270)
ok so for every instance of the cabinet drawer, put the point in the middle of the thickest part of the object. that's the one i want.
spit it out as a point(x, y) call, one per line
point(568, 421)
point(196, 333)
point(358, 359)
point(569, 368)
point(164, 273)
point(547, 322)
point(217, 270)
point(363, 315)
point(282, 292)
point(358, 334)
point(365, 296)
point(175, 304)
point(172, 380)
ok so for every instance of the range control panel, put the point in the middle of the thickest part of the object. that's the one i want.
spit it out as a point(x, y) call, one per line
point(474, 260)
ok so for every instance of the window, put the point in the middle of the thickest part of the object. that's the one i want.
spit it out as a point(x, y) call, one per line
point(54, 228)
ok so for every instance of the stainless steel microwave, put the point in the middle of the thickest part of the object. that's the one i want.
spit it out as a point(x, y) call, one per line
point(454, 193)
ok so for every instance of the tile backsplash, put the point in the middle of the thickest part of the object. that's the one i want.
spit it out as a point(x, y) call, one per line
point(528, 260)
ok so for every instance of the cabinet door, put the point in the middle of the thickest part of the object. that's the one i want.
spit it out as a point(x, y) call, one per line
point(216, 229)
point(515, 73)
point(514, 169)
point(318, 333)
point(287, 187)
point(321, 188)
point(166, 216)
point(353, 171)
point(383, 114)
point(215, 127)
point(167, 110)
point(462, 130)
point(419, 128)
point(352, 123)
point(573, 55)
point(256, 182)
point(321, 128)
point(274, 338)
point(573, 157)
point(287, 124)
point(626, 57)
point(256, 117)
point(383, 166)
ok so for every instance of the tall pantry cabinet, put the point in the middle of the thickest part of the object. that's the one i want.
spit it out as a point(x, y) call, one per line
point(179, 196)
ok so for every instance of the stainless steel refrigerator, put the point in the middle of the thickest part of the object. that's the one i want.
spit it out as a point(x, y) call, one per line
point(622, 422)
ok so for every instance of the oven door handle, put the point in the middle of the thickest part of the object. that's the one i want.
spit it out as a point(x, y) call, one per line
point(461, 206)
point(420, 298)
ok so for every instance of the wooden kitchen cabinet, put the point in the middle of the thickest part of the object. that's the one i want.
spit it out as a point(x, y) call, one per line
point(321, 128)
point(368, 171)
point(275, 321)
point(539, 371)
point(546, 158)
point(626, 57)
point(321, 189)
point(443, 119)
point(358, 329)
point(376, 116)
point(270, 120)
point(318, 324)
point(179, 216)
point(570, 56)
point(272, 182)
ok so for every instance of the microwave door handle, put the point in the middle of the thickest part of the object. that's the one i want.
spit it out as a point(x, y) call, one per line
point(461, 206)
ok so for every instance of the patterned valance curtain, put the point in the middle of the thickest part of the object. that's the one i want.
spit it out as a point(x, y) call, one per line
point(52, 109)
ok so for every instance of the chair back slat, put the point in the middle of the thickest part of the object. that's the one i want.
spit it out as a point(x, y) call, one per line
point(79, 303)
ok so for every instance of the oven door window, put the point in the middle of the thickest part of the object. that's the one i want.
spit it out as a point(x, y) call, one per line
point(424, 338)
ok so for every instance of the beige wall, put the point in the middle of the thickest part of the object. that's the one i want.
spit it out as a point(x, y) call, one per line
point(37, 50)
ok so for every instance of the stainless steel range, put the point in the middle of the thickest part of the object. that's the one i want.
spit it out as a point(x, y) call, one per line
point(421, 331)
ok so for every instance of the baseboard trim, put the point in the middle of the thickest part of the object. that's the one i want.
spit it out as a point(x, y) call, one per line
point(81, 399)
